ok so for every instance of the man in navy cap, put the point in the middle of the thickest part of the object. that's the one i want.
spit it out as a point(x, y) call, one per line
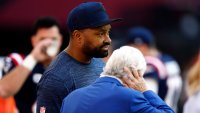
point(79, 64)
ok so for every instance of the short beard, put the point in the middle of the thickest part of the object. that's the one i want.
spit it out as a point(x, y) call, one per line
point(96, 52)
point(100, 54)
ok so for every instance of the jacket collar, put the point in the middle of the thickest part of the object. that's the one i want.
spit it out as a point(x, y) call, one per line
point(108, 79)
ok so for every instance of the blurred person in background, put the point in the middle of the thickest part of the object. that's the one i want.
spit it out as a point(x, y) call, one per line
point(80, 64)
point(108, 93)
point(21, 74)
point(193, 89)
point(163, 72)
point(7, 105)
point(156, 70)
point(174, 80)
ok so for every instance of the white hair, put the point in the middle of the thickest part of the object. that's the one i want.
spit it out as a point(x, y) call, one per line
point(125, 56)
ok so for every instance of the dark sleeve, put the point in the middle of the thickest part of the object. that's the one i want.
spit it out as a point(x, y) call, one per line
point(50, 93)
point(151, 72)
point(149, 102)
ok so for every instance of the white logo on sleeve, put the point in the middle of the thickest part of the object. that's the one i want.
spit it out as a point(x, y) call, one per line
point(36, 77)
point(42, 109)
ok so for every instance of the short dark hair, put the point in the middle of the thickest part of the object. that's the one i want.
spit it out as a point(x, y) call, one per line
point(44, 22)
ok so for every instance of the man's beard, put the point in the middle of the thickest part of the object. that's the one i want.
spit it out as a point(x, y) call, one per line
point(97, 52)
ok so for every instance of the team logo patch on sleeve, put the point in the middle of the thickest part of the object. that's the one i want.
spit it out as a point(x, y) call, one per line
point(42, 109)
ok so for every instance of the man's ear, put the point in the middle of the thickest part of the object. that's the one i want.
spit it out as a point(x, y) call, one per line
point(33, 40)
point(77, 36)
point(60, 39)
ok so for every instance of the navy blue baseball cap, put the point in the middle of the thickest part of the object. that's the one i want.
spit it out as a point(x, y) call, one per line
point(140, 35)
point(88, 15)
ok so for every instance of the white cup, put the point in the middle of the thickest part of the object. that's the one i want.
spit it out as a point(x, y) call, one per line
point(52, 50)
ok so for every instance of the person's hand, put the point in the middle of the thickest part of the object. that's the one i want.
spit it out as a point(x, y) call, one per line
point(39, 51)
point(134, 80)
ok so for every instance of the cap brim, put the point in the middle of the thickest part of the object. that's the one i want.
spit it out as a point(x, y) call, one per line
point(108, 22)
point(102, 23)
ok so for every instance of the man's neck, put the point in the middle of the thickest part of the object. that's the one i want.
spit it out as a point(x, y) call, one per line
point(78, 55)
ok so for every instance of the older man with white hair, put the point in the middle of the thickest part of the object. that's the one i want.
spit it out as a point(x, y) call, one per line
point(121, 88)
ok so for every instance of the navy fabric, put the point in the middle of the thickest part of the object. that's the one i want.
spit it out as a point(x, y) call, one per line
point(108, 95)
point(64, 75)
point(140, 35)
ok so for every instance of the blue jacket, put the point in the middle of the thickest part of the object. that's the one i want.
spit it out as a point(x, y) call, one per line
point(108, 95)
